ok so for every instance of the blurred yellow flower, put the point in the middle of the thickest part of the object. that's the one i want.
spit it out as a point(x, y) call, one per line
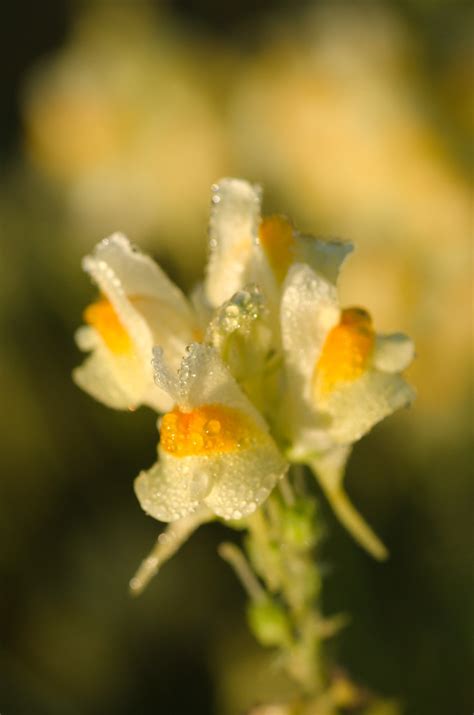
point(109, 116)
point(333, 115)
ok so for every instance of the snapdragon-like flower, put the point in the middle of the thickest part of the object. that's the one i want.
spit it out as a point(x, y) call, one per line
point(343, 378)
point(248, 248)
point(283, 373)
point(139, 307)
point(215, 448)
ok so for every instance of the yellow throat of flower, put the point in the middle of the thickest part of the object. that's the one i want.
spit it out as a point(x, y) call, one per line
point(346, 351)
point(276, 237)
point(101, 315)
point(206, 430)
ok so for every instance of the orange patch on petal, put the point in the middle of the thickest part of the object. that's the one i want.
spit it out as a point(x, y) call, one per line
point(210, 429)
point(346, 351)
point(102, 316)
point(276, 237)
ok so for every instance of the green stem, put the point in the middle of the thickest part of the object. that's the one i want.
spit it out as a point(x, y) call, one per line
point(280, 548)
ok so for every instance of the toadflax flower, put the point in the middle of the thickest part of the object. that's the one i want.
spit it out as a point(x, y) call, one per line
point(215, 457)
point(139, 307)
point(283, 373)
point(248, 248)
point(342, 380)
point(215, 448)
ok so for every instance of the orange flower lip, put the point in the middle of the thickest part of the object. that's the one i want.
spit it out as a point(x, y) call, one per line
point(205, 430)
point(101, 315)
point(346, 351)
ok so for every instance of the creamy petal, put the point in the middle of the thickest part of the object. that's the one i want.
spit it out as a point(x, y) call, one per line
point(233, 228)
point(118, 381)
point(149, 305)
point(97, 377)
point(393, 353)
point(324, 257)
point(309, 309)
point(357, 406)
point(232, 484)
point(172, 488)
point(244, 479)
point(137, 272)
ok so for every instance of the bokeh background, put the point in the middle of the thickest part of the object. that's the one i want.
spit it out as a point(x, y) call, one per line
point(356, 117)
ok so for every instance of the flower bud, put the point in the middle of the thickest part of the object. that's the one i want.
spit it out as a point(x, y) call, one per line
point(299, 529)
point(269, 623)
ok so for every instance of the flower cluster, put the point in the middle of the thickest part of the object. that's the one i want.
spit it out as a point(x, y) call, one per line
point(260, 368)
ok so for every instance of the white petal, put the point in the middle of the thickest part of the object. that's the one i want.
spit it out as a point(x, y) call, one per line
point(165, 378)
point(86, 338)
point(137, 273)
point(172, 488)
point(98, 378)
point(233, 228)
point(309, 309)
point(200, 304)
point(242, 480)
point(357, 406)
point(118, 381)
point(324, 257)
point(149, 305)
point(231, 484)
point(393, 353)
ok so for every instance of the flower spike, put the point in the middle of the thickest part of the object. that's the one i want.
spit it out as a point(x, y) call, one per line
point(283, 372)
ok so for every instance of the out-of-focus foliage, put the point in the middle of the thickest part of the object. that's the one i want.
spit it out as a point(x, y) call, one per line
point(357, 121)
point(125, 118)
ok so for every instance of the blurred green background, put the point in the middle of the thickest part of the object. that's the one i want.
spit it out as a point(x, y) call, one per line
point(356, 117)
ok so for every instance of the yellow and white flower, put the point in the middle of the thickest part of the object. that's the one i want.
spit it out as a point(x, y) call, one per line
point(342, 380)
point(215, 449)
point(215, 457)
point(139, 307)
point(282, 368)
point(248, 248)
